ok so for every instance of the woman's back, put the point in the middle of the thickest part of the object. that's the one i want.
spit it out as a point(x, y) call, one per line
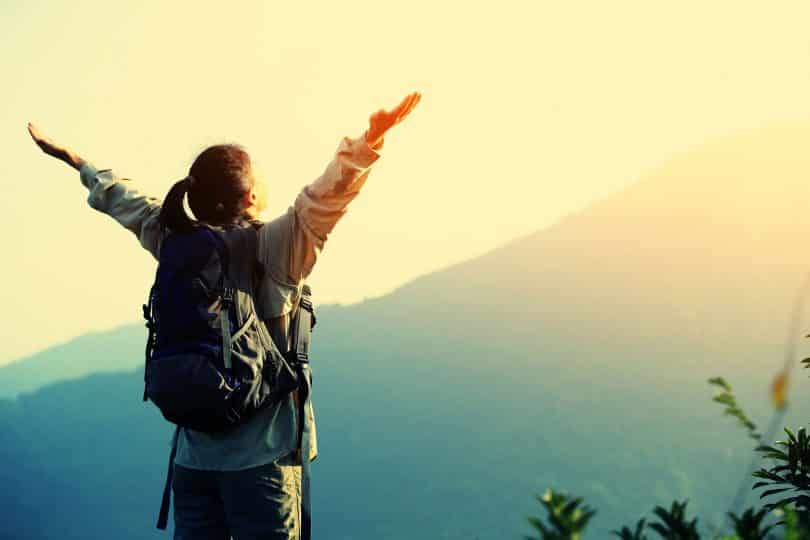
point(270, 433)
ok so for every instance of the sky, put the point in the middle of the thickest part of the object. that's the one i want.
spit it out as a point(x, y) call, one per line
point(529, 111)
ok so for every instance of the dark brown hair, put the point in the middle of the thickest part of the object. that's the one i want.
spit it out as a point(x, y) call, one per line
point(218, 181)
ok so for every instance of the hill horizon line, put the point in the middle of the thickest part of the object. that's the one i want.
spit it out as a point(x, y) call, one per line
point(646, 179)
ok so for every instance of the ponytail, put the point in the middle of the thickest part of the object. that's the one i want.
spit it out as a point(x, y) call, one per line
point(172, 213)
point(215, 188)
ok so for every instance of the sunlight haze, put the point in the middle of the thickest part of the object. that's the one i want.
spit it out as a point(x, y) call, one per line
point(529, 111)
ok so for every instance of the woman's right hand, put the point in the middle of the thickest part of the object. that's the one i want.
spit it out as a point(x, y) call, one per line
point(382, 120)
point(53, 149)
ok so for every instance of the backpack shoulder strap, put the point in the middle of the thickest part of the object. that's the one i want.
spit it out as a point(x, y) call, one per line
point(303, 324)
point(304, 321)
point(252, 245)
point(221, 246)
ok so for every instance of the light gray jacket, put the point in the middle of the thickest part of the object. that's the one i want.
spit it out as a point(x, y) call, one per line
point(288, 248)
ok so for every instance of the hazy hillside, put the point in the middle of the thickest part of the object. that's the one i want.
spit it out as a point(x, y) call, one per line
point(90, 353)
point(575, 357)
point(710, 245)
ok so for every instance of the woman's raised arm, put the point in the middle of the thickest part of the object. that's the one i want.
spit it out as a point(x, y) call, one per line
point(290, 244)
point(108, 193)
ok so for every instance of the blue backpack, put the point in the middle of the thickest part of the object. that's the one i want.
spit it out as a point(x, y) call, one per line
point(211, 362)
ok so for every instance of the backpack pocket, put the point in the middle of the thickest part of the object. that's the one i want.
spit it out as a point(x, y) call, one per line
point(190, 391)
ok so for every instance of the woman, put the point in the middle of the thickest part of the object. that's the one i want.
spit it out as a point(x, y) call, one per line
point(247, 484)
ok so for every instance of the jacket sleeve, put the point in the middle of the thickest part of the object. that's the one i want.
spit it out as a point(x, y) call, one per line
point(121, 199)
point(290, 244)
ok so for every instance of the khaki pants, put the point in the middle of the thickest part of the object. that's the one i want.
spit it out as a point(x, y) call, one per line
point(260, 503)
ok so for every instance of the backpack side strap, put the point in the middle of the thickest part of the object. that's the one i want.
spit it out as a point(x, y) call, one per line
point(148, 314)
point(163, 516)
point(304, 321)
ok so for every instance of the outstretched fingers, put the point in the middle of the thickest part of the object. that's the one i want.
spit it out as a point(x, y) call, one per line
point(46, 144)
point(406, 106)
point(35, 133)
point(382, 120)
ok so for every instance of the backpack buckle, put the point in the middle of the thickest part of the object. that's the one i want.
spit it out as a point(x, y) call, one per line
point(306, 303)
point(147, 315)
point(227, 295)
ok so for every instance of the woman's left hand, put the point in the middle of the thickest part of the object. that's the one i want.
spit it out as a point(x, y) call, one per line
point(382, 120)
point(53, 149)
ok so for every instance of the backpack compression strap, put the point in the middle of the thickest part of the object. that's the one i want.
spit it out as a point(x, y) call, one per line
point(304, 321)
point(225, 325)
point(149, 315)
point(229, 293)
point(163, 515)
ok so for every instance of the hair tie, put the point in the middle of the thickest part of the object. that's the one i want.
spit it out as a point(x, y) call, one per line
point(189, 180)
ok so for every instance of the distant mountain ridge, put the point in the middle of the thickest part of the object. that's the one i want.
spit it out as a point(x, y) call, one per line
point(691, 238)
point(86, 354)
point(575, 357)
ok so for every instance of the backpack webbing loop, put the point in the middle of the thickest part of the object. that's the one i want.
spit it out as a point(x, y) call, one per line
point(244, 328)
point(225, 326)
point(148, 314)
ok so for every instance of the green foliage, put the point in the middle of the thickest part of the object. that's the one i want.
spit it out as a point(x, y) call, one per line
point(797, 524)
point(726, 397)
point(750, 525)
point(789, 478)
point(627, 534)
point(567, 518)
point(791, 473)
point(673, 525)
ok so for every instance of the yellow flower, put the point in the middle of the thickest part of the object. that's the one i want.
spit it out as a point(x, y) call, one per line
point(779, 390)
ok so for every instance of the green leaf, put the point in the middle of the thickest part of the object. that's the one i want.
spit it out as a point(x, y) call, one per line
point(774, 492)
point(721, 382)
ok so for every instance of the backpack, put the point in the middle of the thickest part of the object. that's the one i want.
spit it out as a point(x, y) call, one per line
point(211, 362)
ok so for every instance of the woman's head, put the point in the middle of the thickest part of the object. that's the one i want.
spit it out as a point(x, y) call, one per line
point(223, 187)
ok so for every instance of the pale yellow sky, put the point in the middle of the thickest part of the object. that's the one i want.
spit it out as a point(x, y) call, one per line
point(529, 110)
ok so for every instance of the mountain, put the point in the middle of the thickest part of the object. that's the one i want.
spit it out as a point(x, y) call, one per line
point(575, 357)
point(87, 354)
